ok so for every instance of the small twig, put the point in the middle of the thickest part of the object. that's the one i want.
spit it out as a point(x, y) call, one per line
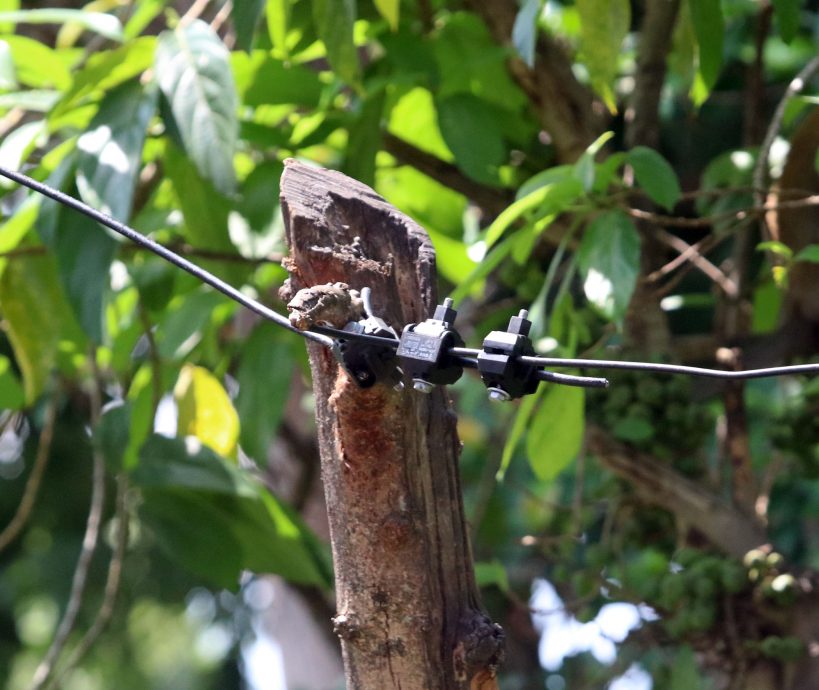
point(702, 247)
point(194, 11)
point(112, 584)
point(794, 88)
point(728, 286)
point(221, 16)
point(89, 547)
point(13, 529)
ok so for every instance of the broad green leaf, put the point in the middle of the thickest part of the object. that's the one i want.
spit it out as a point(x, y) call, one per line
point(787, 18)
point(263, 389)
point(36, 64)
point(35, 314)
point(609, 260)
point(206, 411)
point(110, 152)
point(524, 31)
point(275, 82)
point(365, 139)
point(182, 323)
point(472, 132)
point(390, 10)
point(35, 100)
point(12, 396)
point(186, 484)
point(334, 20)
point(633, 429)
point(193, 71)
point(414, 119)
point(684, 673)
point(245, 16)
point(106, 25)
point(556, 431)
point(655, 175)
point(709, 30)
point(8, 77)
point(767, 306)
point(106, 70)
point(809, 253)
point(84, 253)
point(490, 262)
point(8, 6)
point(258, 206)
point(18, 145)
point(144, 12)
point(278, 18)
point(603, 26)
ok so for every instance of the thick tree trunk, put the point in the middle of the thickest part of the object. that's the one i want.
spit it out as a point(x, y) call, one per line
point(408, 609)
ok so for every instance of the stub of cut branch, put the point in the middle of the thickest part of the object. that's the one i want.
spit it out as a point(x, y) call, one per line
point(408, 608)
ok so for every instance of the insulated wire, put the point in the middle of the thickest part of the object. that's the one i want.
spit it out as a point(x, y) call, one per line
point(326, 334)
point(169, 256)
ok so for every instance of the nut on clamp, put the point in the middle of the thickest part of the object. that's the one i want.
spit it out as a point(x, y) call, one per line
point(505, 376)
point(424, 350)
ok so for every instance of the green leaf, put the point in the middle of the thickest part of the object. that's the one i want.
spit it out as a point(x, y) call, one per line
point(684, 673)
point(8, 77)
point(107, 70)
point(556, 431)
point(36, 100)
point(263, 389)
point(390, 10)
point(278, 18)
point(709, 30)
point(655, 175)
point(809, 253)
point(633, 429)
point(415, 120)
point(110, 151)
point(193, 71)
point(245, 16)
point(603, 26)
point(84, 253)
point(186, 484)
point(787, 18)
point(274, 82)
point(524, 31)
point(205, 410)
point(113, 432)
point(18, 226)
point(12, 396)
point(334, 20)
point(36, 318)
point(365, 139)
point(36, 64)
point(775, 247)
point(144, 12)
point(8, 6)
point(18, 145)
point(609, 260)
point(182, 323)
point(106, 25)
point(473, 134)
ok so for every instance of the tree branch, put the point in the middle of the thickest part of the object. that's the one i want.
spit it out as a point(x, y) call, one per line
point(730, 530)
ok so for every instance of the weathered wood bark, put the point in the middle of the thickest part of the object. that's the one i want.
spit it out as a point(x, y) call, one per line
point(408, 610)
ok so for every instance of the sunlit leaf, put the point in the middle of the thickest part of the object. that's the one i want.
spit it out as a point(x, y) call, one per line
point(609, 259)
point(513, 438)
point(556, 431)
point(193, 71)
point(110, 151)
point(181, 327)
point(36, 64)
point(205, 410)
point(278, 18)
point(655, 175)
point(491, 573)
point(106, 25)
point(603, 26)
point(390, 10)
point(12, 396)
point(334, 21)
point(809, 253)
point(8, 78)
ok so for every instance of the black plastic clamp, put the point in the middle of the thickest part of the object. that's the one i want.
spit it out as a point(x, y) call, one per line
point(424, 350)
point(366, 361)
point(505, 376)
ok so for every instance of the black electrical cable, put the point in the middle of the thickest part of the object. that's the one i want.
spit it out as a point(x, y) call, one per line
point(325, 335)
point(169, 256)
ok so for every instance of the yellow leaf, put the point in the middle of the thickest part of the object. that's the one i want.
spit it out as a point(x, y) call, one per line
point(205, 410)
point(390, 10)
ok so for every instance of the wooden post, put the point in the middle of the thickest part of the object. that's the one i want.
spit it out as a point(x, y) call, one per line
point(408, 609)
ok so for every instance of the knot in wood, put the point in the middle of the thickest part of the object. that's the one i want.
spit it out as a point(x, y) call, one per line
point(346, 626)
point(480, 647)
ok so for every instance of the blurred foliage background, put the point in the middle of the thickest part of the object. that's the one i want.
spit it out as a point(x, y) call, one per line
point(642, 176)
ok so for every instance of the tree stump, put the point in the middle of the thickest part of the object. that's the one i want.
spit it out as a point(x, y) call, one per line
point(408, 609)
